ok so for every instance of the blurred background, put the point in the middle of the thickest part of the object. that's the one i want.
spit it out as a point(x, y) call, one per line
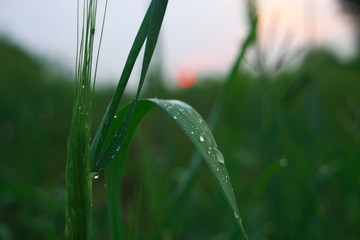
point(289, 130)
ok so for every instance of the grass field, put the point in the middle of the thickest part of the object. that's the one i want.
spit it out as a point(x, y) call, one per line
point(291, 144)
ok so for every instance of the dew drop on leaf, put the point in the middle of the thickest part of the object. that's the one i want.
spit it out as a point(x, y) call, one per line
point(218, 155)
point(283, 162)
point(201, 138)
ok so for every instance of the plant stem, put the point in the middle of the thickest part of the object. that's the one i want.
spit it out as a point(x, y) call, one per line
point(78, 177)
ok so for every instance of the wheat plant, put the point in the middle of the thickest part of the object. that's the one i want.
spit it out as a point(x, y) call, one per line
point(87, 157)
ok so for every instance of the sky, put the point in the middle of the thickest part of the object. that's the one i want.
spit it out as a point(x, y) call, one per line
point(203, 35)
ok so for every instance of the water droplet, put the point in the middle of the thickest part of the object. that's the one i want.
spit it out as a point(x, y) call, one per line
point(283, 162)
point(181, 109)
point(192, 132)
point(236, 216)
point(209, 152)
point(96, 176)
point(201, 138)
point(118, 148)
point(115, 116)
point(200, 120)
point(175, 117)
point(218, 155)
point(83, 86)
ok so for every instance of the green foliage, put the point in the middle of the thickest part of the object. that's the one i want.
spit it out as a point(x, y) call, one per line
point(291, 146)
point(84, 161)
point(194, 126)
point(79, 173)
point(78, 178)
point(101, 155)
point(99, 158)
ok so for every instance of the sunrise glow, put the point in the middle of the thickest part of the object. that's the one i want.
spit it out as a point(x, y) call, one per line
point(186, 77)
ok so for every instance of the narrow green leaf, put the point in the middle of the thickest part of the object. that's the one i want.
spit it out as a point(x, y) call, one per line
point(194, 126)
point(98, 142)
point(156, 18)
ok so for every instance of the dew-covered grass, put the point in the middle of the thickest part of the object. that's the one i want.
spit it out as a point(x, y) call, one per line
point(290, 146)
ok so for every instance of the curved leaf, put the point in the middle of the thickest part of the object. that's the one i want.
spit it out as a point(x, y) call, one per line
point(198, 132)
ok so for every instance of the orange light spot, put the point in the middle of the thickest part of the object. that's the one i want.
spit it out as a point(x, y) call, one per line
point(186, 77)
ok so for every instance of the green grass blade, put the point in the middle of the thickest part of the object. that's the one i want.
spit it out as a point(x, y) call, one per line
point(113, 172)
point(113, 184)
point(98, 142)
point(194, 126)
point(156, 18)
point(186, 181)
point(198, 132)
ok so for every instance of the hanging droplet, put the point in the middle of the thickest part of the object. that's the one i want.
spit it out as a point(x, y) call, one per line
point(218, 155)
point(201, 138)
point(96, 176)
